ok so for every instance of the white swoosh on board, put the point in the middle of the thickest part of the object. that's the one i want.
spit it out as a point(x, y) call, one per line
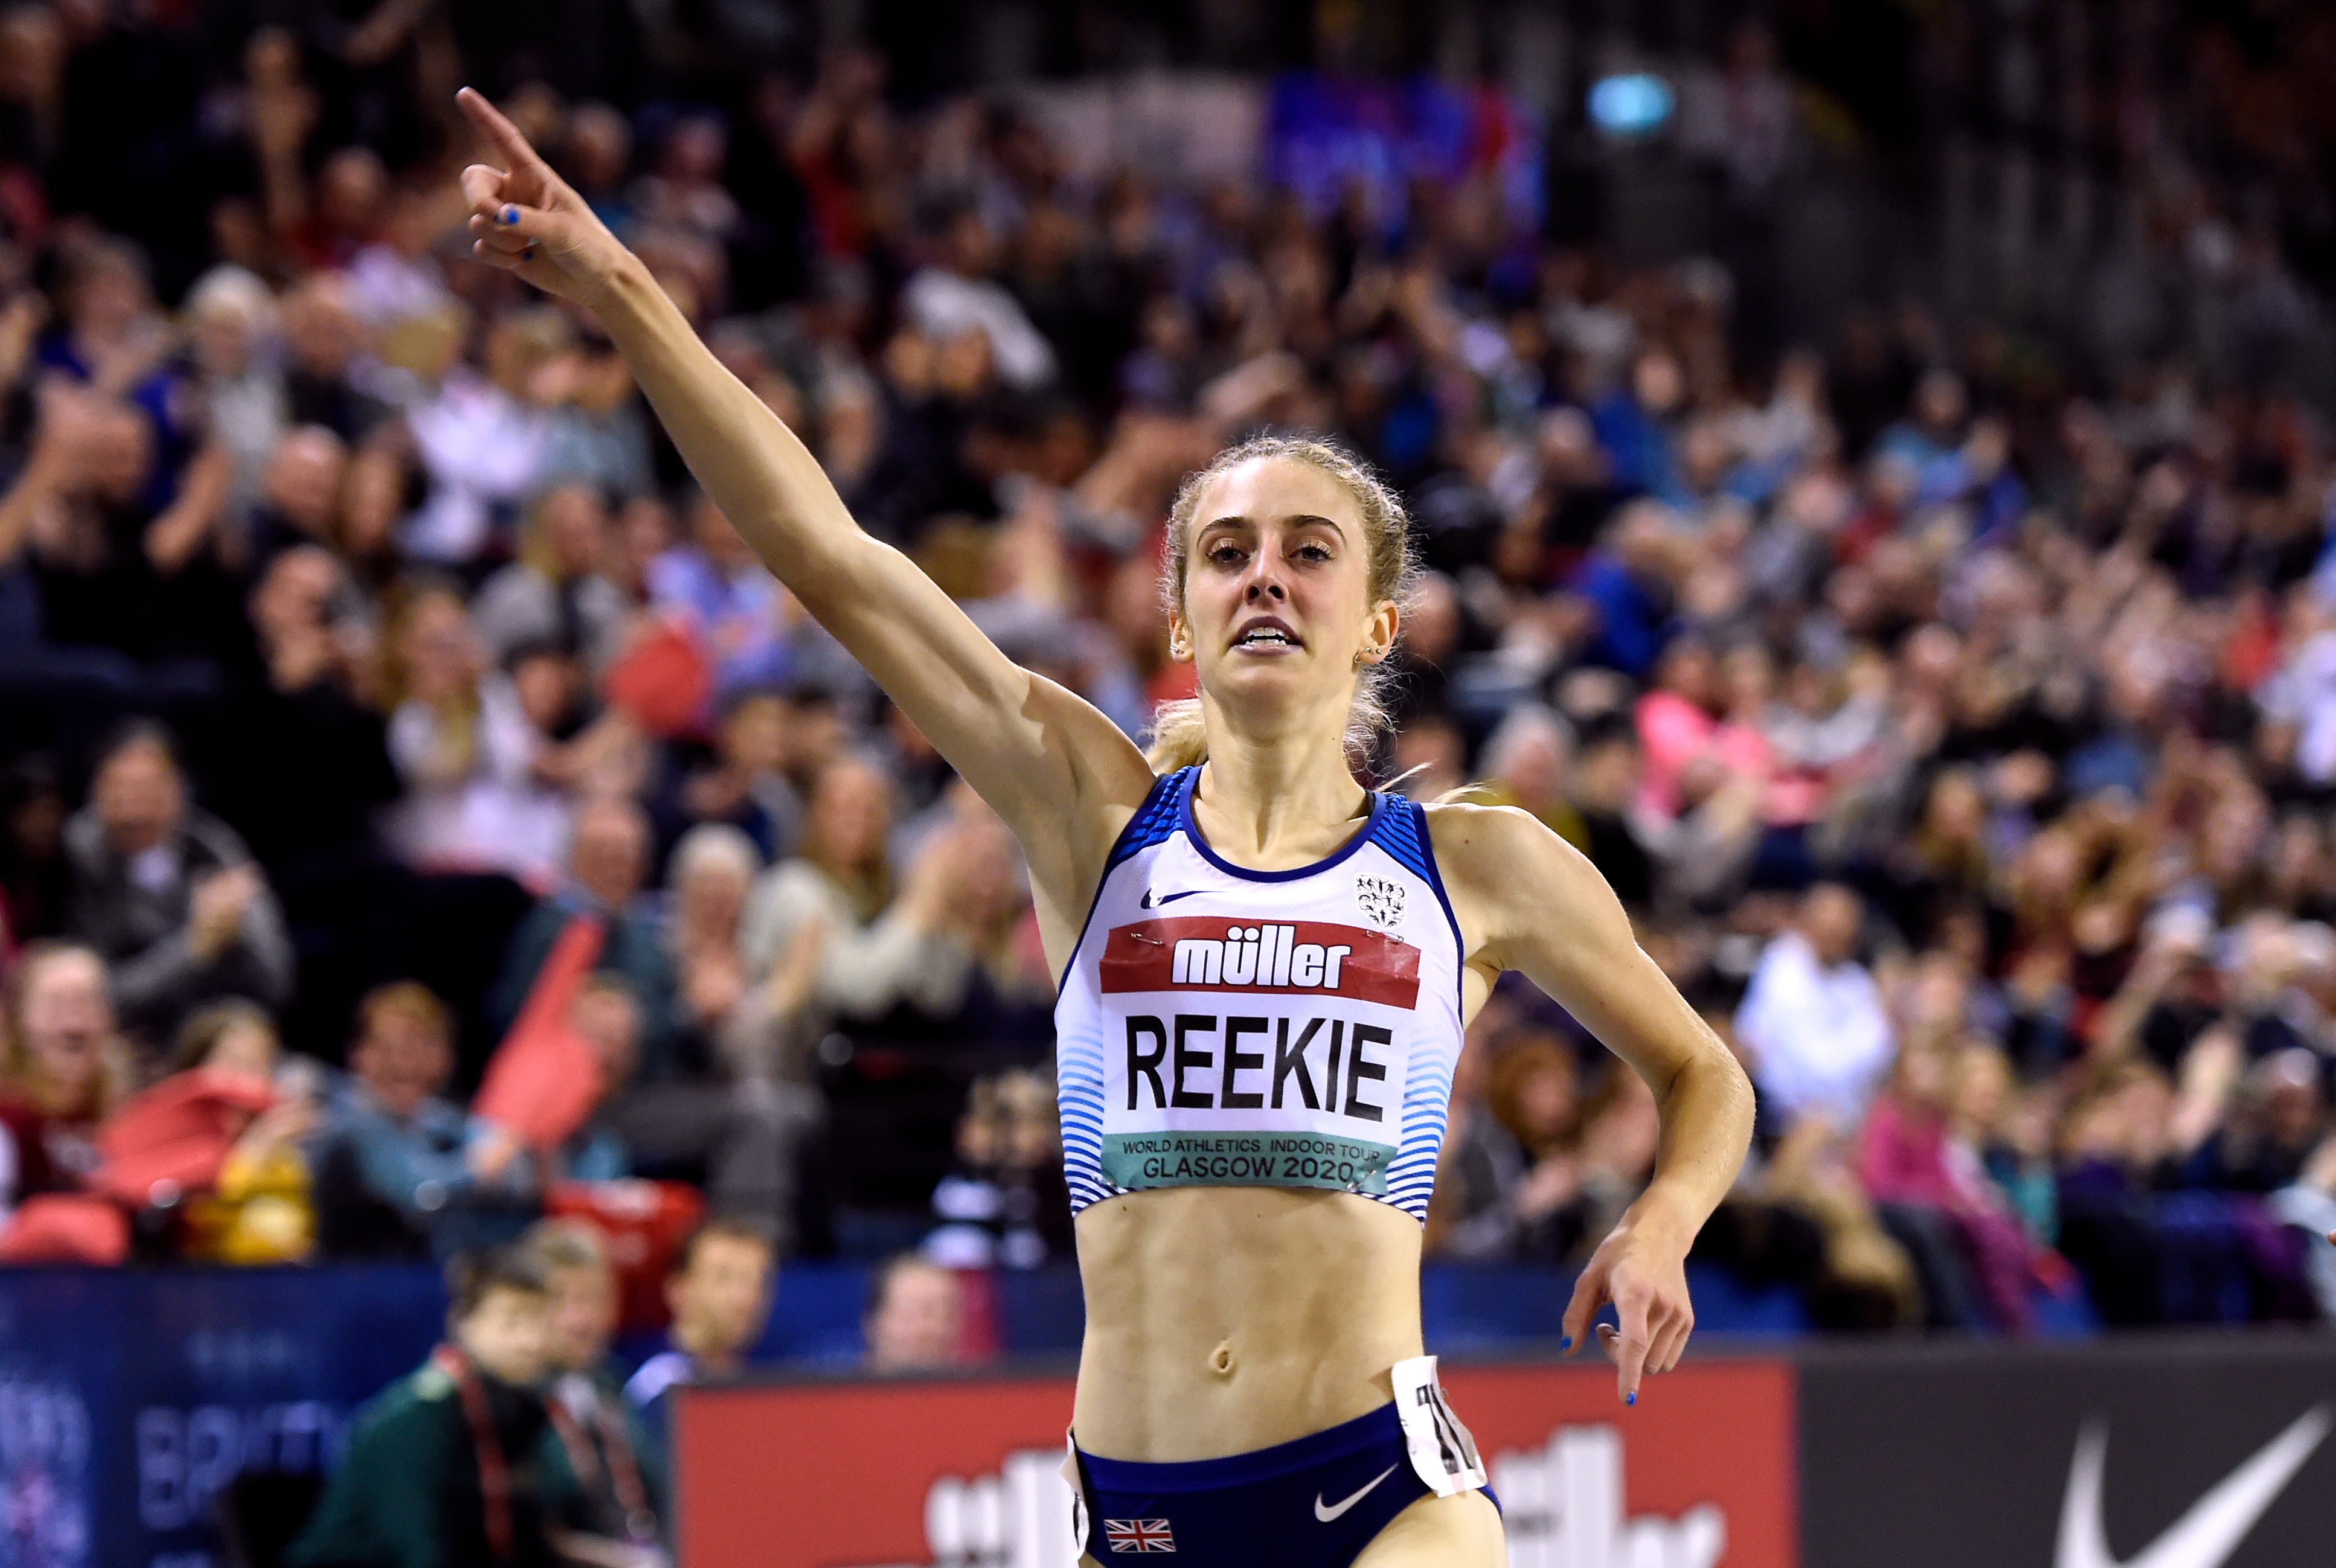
point(2206, 1536)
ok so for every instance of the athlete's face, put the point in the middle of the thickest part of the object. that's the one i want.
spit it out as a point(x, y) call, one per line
point(1277, 589)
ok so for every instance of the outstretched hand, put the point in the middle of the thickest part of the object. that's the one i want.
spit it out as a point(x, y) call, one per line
point(1646, 1279)
point(526, 219)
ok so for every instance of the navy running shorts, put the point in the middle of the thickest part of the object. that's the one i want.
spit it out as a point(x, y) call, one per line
point(1312, 1503)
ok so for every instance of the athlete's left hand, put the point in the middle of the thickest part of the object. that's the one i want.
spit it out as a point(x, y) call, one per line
point(1643, 1272)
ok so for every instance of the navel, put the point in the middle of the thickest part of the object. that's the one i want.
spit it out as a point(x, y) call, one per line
point(1221, 1359)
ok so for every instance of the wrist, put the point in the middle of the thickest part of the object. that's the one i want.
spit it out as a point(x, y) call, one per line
point(617, 283)
point(1662, 1214)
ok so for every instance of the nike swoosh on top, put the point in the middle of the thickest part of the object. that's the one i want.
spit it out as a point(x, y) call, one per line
point(2206, 1536)
point(1151, 900)
point(1329, 1512)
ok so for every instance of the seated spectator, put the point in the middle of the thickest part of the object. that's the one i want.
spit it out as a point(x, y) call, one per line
point(744, 784)
point(720, 1293)
point(400, 1171)
point(707, 879)
point(607, 869)
point(878, 950)
point(484, 441)
point(1005, 1205)
point(555, 593)
point(329, 379)
point(915, 1320)
point(1811, 1022)
point(2267, 1135)
point(1526, 764)
point(591, 1453)
point(738, 1138)
point(300, 496)
point(1508, 1187)
point(1937, 1198)
point(463, 750)
point(261, 1209)
point(167, 895)
point(438, 1468)
point(65, 1071)
point(717, 586)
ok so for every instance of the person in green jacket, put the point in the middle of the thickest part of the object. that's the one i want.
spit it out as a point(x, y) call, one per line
point(442, 1468)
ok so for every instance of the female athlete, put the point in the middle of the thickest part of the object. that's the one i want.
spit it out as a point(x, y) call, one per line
point(1265, 971)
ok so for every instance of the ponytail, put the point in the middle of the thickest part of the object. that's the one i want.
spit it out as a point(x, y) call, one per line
point(1180, 737)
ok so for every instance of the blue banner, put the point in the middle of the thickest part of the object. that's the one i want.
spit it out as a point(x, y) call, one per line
point(128, 1399)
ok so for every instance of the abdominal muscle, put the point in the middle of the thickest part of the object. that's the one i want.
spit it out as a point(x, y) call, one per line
point(1220, 1319)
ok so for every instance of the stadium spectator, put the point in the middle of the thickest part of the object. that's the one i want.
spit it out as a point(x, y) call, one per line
point(1004, 1204)
point(66, 1068)
point(916, 1318)
point(167, 895)
point(593, 1451)
point(440, 1466)
point(259, 1208)
point(400, 1171)
point(606, 871)
point(720, 1291)
point(554, 594)
point(877, 949)
point(1812, 1021)
point(465, 750)
point(1509, 1186)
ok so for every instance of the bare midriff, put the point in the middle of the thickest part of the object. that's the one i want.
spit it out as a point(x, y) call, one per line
point(1221, 1319)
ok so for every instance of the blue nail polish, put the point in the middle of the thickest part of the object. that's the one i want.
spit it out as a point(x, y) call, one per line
point(1631, 1397)
point(1566, 1341)
point(509, 215)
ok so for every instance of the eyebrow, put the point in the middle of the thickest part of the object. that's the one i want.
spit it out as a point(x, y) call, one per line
point(1295, 521)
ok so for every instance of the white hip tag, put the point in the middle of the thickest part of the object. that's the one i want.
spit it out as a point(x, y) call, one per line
point(1441, 1449)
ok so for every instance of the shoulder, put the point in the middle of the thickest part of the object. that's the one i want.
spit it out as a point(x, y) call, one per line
point(1486, 847)
point(416, 1399)
point(84, 840)
point(658, 1373)
point(1508, 875)
point(214, 838)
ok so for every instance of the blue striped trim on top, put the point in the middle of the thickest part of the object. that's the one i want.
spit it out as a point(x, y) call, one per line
point(1402, 831)
point(1153, 820)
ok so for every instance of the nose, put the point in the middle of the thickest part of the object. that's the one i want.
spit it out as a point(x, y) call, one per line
point(1264, 583)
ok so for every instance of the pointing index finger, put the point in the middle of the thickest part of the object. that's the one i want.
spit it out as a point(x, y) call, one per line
point(498, 130)
point(1631, 1347)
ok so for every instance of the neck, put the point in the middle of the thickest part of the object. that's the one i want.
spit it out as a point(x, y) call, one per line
point(694, 1343)
point(1270, 795)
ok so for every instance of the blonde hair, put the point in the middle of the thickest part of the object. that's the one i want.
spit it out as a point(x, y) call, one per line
point(1179, 736)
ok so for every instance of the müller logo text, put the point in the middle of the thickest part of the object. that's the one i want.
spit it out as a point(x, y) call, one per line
point(1305, 957)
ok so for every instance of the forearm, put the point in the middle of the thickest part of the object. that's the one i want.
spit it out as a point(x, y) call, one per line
point(1707, 1122)
point(37, 487)
point(765, 482)
point(172, 538)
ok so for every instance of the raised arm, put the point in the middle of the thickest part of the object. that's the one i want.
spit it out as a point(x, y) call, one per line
point(1529, 901)
point(1059, 771)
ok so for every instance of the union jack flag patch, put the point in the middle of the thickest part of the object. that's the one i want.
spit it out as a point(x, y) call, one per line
point(1139, 1535)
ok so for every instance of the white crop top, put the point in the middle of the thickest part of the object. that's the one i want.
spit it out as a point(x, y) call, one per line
point(1221, 1027)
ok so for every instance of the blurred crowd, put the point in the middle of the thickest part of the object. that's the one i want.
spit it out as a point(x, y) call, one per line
point(421, 814)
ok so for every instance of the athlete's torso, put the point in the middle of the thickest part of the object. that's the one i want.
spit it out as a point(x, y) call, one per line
point(1222, 1027)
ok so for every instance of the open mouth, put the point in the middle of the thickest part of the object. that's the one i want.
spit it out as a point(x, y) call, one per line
point(1267, 636)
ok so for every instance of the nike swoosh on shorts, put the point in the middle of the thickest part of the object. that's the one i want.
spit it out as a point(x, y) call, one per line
point(2206, 1536)
point(1328, 1512)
